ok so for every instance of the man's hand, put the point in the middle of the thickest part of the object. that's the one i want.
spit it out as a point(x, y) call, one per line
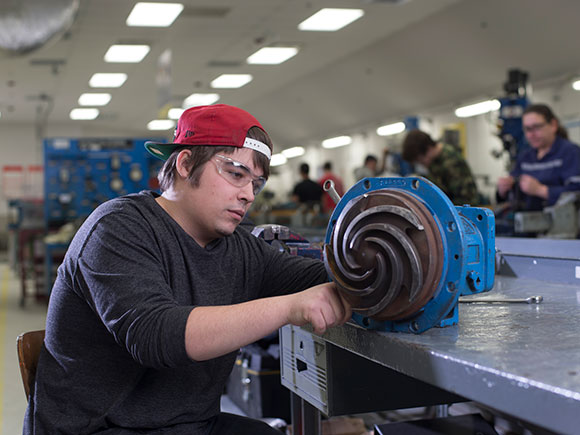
point(322, 306)
point(531, 186)
point(504, 184)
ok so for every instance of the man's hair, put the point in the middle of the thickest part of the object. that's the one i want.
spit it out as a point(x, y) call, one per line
point(201, 154)
point(327, 166)
point(304, 168)
point(545, 111)
point(370, 158)
point(416, 144)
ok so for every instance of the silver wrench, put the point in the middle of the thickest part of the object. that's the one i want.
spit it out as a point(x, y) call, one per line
point(529, 300)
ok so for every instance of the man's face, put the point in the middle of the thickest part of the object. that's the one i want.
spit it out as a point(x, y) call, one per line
point(216, 207)
point(539, 133)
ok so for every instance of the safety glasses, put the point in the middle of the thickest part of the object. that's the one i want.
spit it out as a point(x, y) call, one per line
point(238, 174)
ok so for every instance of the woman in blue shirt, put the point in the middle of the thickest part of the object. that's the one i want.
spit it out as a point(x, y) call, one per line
point(549, 167)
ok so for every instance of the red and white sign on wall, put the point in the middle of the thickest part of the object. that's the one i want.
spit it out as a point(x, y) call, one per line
point(22, 182)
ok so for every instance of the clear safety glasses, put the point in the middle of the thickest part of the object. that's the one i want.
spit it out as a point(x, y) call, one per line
point(238, 174)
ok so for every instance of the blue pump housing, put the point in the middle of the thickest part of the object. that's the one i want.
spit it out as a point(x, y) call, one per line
point(468, 239)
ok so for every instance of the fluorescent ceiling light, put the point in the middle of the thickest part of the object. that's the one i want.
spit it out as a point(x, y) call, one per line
point(330, 19)
point(91, 99)
point(272, 55)
point(477, 108)
point(200, 100)
point(278, 159)
point(84, 113)
point(131, 53)
point(231, 81)
point(335, 142)
point(175, 112)
point(154, 14)
point(576, 85)
point(293, 152)
point(107, 80)
point(160, 124)
point(390, 129)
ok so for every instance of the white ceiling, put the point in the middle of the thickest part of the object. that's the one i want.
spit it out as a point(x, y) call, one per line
point(399, 59)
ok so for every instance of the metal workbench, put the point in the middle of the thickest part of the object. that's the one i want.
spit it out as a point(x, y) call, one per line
point(520, 359)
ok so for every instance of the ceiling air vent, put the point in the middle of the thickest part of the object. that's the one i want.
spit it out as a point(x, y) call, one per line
point(205, 12)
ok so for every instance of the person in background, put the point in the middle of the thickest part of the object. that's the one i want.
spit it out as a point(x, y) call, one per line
point(446, 166)
point(371, 166)
point(157, 293)
point(549, 167)
point(307, 191)
point(327, 202)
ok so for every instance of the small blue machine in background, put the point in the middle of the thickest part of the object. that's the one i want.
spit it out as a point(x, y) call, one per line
point(401, 253)
point(512, 106)
point(80, 174)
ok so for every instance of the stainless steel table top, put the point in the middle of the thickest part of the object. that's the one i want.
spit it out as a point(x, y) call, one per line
point(522, 359)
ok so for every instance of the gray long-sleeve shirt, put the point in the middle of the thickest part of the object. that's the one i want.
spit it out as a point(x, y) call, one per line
point(114, 359)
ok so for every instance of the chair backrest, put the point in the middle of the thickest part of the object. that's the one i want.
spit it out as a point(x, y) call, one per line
point(29, 345)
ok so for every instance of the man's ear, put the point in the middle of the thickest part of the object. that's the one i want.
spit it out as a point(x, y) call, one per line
point(183, 163)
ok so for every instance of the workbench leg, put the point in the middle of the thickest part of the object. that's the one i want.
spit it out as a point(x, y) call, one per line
point(306, 419)
point(441, 411)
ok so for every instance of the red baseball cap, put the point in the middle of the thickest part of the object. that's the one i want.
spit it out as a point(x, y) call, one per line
point(218, 124)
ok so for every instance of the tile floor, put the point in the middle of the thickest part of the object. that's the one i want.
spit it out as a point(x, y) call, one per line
point(13, 321)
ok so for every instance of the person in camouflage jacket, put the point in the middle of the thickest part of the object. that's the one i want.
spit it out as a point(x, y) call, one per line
point(447, 167)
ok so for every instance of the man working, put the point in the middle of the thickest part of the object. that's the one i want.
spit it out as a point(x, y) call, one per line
point(447, 167)
point(549, 167)
point(307, 191)
point(157, 293)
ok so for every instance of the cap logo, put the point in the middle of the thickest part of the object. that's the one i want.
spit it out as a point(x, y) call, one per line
point(189, 133)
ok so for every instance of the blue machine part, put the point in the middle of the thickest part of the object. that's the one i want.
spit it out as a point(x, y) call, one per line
point(512, 132)
point(286, 240)
point(80, 174)
point(402, 253)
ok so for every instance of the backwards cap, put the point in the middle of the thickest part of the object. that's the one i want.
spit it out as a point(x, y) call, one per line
point(218, 125)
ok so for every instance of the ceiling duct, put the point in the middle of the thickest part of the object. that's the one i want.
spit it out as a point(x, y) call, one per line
point(26, 25)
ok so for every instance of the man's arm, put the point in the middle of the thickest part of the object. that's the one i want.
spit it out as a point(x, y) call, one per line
point(214, 331)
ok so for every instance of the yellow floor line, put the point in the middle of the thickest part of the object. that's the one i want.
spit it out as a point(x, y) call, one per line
point(3, 298)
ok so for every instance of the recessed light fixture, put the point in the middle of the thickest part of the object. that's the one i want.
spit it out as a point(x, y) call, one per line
point(91, 99)
point(175, 112)
point(390, 129)
point(107, 80)
point(146, 14)
point(335, 142)
point(278, 159)
point(200, 100)
point(272, 55)
point(126, 53)
point(330, 19)
point(477, 108)
point(84, 114)
point(576, 85)
point(160, 124)
point(231, 81)
point(293, 152)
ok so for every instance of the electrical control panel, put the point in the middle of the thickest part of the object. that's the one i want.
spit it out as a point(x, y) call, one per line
point(82, 173)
